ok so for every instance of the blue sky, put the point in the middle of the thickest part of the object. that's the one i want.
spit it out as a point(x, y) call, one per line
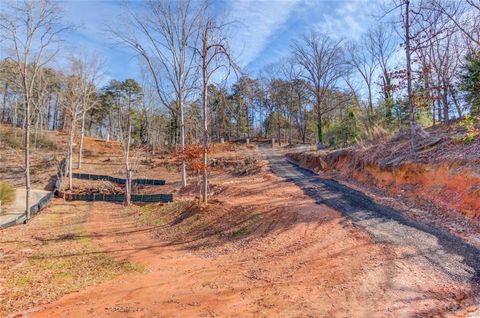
point(262, 33)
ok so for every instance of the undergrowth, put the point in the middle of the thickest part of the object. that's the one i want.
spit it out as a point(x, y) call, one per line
point(14, 138)
point(472, 131)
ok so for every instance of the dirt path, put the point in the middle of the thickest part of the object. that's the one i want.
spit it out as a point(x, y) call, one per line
point(320, 250)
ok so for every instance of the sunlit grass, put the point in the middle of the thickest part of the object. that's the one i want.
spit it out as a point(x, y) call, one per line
point(160, 215)
point(7, 193)
point(61, 258)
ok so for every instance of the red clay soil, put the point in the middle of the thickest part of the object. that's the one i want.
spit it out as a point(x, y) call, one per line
point(443, 170)
point(302, 260)
point(101, 146)
point(447, 185)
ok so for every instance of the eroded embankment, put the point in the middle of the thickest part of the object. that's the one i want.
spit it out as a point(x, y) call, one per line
point(446, 184)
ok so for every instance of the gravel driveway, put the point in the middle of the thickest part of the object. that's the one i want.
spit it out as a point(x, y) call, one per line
point(439, 249)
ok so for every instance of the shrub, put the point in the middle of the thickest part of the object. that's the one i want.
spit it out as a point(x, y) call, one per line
point(44, 142)
point(472, 131)
point(471, 81)
point(7, 193)
point(12, 139)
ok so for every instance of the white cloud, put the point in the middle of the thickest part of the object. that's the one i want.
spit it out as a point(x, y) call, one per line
point(257, 22)
point(348, 20)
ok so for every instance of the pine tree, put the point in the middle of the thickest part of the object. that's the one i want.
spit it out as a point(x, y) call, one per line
point(471, 81)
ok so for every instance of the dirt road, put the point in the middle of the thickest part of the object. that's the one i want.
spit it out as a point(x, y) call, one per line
point(440, 250)
point(315, 249)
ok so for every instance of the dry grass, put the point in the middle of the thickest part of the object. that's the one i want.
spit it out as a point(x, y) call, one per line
point(443, 143)
point(187, 221)
point(50, 257)
point(7, 193)
point(14, 138)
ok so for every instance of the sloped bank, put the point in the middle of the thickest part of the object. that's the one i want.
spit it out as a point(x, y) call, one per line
point(450, 184)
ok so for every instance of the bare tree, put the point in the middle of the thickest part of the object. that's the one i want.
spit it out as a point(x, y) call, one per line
point(362, 57)
point(30, 29)
point(291, 72)
point(78, 97)
point(164, 38)
point(440, 52)
point(40, 100)
point(72, 102)
point(126, 97)
point(415, 23)
point(464, 14)
point(131, 96)
point(274, 100)
point(147, 111)
point(406, 20)
point(381, 39)
point(323, 64)
point(245, 95)
point(302, 98)
point(91, 72)
point(214, 56)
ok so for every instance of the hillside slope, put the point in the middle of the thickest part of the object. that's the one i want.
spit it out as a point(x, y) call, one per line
point(444, 170)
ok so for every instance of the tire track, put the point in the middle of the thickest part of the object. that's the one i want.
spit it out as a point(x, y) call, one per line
point(442, 251)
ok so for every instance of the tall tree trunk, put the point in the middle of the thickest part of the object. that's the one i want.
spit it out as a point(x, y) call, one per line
point(439, 107)
point(27, 157)
point(128, 183)
point(147, 137)
point(110, 128)
point(222, 131)
point(70, 153)
point(205, 123)
point(370, 103)
point(387, 97)
point(290, 119)
point(55, 116)
point(238, 125)
point(35, 133)
point(411, 104)
point(128, 170)
point(4, 107)
point(446, 108)
point(14, 116)
point(247, 119)
point(455, 102)
point(430, 102)
point(49, 113)
point(80, 148)
point(183, 167)
point(172, 137)
point(319, 124)
point(290, 129)
point(319, 129)
point(433, 113)
point(63, 122)
point(302, 120)
point(279, 133)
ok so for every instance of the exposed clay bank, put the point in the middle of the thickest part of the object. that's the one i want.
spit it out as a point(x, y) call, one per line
point(448, 185)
